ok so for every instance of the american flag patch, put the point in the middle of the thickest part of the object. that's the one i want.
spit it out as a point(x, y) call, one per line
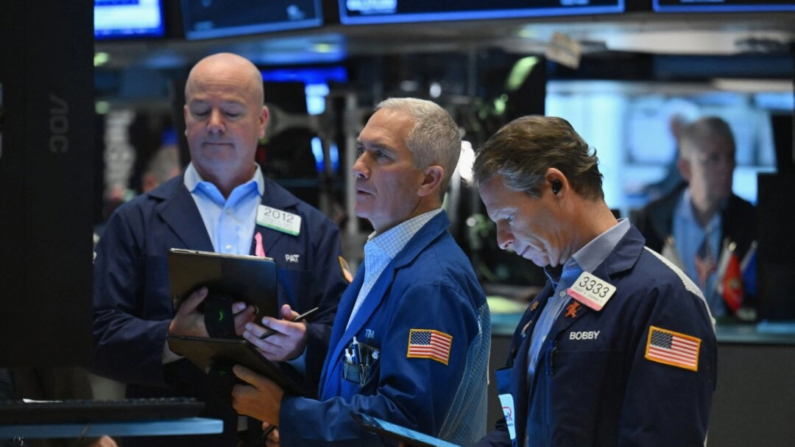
point(673, 348)
point(429, 344)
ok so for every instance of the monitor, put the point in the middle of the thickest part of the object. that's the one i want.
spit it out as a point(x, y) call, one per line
point(358, 12)
point(723, 5)
point(115, 19)
point(205, 19)
point(46, 166)
point(776, 251)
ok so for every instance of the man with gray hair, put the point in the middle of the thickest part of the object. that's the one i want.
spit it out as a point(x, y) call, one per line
point(618, 348)
point(411, 339)
point(701, 224)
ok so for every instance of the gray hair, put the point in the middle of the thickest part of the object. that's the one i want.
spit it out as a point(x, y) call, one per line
point(523, 150)
point(434, 139)
point(703, 130)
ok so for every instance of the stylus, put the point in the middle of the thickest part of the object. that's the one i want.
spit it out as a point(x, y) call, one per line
point(297, 319)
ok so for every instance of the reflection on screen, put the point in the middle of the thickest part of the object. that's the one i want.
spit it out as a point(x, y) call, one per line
point(723, 5)
point(391, 11)
point(209, 19)
point(127, 18)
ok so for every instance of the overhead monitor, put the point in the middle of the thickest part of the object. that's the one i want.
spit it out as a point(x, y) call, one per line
point(114, 19)
point(360, 12)
point(723, 5)
point(205, 19)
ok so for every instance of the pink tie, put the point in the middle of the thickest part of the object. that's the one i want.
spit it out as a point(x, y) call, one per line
point(258, 250)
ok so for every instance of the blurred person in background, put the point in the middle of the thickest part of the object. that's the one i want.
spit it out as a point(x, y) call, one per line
point(703, 227)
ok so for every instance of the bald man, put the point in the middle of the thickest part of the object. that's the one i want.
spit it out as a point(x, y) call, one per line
point(213, 206)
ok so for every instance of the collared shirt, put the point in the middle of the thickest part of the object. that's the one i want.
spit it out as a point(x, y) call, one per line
point(587, 259)
point(380, 249)
point(230, 222)
point(689, 236)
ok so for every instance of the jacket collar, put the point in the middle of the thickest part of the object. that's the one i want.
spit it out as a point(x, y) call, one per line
point(178, 209)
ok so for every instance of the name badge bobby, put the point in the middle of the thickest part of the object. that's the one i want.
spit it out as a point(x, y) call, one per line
point(591, 291)
point(279, 220)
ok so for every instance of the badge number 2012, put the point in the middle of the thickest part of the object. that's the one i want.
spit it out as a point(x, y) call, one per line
point(591, 291)
point(278, 215)
point(279, 220)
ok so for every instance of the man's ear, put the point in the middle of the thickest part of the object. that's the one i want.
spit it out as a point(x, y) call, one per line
point(264, 117)
point(431, 181)
point(556, 181)
point(185, 117)
point(684, 167)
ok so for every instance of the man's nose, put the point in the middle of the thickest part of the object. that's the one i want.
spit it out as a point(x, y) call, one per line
point(216, 122)
point(360, 168)
point(504, 237)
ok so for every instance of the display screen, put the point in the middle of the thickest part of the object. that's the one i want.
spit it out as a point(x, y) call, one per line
point(206, 19)
point(723, 5)
point(127, 18)
point(354, 12)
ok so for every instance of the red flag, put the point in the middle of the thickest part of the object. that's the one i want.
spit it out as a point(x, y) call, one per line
point(732, 284)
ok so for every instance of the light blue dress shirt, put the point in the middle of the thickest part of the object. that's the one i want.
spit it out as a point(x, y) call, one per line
point(229, 222)
point(688, 236)
point(380, 249)
point(587, 259)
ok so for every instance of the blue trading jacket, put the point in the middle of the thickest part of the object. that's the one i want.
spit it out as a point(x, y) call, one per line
point(601, 390)
point(132, 304)
point(429, 285)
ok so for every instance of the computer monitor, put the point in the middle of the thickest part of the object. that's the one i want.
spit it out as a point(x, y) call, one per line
point(776, 250)
point(46, 176)
point(204, 20)
point(723, 5)
point(118, 19)
point(358, 12)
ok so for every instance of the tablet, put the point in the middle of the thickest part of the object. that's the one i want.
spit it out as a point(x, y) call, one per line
point(205, 352)
point(392, 431)
point(242, 278)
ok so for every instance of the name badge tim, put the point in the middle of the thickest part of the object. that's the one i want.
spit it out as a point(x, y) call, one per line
point(279, 220)
point(591, 291)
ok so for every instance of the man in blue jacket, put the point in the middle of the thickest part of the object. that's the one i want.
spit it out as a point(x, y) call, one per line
point(219, 204)
point(619, 348)
point(411, 340)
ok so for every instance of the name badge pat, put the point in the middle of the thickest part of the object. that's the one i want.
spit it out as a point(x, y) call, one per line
point(506, 400)
point(591, 291)
point(279, 220)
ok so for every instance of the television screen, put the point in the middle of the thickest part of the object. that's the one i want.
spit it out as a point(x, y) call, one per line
point(723, 5)
point(355, 12)
point(207, 19)
point(128, 18)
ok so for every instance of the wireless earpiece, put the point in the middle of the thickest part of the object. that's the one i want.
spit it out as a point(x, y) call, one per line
point(556, 185)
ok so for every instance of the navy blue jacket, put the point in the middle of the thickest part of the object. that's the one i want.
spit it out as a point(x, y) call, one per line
point(601, 390)
point(429, 285)
point(132, 305)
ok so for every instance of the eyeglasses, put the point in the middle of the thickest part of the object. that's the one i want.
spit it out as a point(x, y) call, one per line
point(715, 158)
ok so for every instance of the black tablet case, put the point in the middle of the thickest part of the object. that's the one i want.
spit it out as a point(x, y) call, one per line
point(241, 277)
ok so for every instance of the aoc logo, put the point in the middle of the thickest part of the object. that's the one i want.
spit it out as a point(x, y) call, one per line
point(59, 125)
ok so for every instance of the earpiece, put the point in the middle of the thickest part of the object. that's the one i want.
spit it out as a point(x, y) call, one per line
point(556, 185)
